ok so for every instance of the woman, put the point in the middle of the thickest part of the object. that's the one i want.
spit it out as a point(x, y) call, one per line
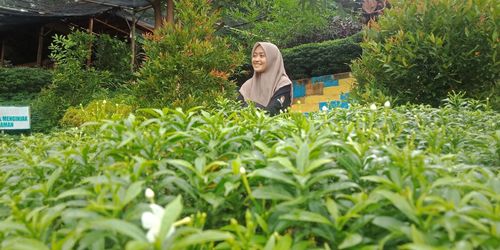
point(269, 88)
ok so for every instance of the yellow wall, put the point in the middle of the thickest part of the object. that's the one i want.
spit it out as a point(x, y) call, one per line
point(310, 95)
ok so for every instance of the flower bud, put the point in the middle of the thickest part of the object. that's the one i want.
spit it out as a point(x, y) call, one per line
point(373, 107)
point(150, 194)
point(243, 170)
point(387, 104)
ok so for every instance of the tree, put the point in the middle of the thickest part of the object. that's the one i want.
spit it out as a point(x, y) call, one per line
point(170, 11)
point(158, 11)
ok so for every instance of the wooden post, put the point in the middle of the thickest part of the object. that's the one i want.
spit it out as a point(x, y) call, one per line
point(170, 11)
point(132, 42)
point(39, 54)
point(91, 30)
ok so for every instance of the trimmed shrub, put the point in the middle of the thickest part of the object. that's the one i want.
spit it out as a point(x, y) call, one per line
point(315, 59)
point(421, 50)
point(20, 85)
point(187, 65)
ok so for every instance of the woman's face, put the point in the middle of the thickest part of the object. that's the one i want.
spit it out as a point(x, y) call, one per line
point(259, 61)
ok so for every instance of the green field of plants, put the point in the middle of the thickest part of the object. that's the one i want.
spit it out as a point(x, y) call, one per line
point(409, 177)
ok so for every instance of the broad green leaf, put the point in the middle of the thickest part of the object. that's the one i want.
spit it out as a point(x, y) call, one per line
point(181, 163)
point(478, 225)
point(8, 226)
point(302, 215)
point(137, 245)
point(325, 174)
point(419, 246)
point(230, 187)
point(74, 192)
point(400, 203)
point(262, 223)
point(316, 164)
point(120, 226)
point(132, 192)
point(337, 187)
point(23, 244)
point(212, 199)
point(391, 224)
point(52, 179)
point(271, 243)
point(285, 162)
point(274, 174)
point(350, 241)
point(284, 242)
point(172, 212)
point(93, 240)
point(417, 236)
point(263, 147)
point(302, 157)
point(271, 193)
point(445, 181)
point(202, 237)
point(213, 165)
point(379, 179)
point(332, 208)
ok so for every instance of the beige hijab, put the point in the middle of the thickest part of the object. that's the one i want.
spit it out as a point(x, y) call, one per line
point(262, 86)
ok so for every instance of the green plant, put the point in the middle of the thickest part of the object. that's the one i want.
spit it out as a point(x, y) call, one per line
point(114, 56)
point(76, 83)
point(187, 64)
point(421, 50)
point(95, 111)
point(19, 86)
point(409, 177)
point(323, 58)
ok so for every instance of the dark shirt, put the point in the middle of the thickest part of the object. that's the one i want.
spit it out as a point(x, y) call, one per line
point(281, 100)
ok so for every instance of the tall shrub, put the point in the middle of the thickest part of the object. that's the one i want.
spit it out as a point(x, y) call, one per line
point(187, 65)
point(73, 82)
point(421, 50)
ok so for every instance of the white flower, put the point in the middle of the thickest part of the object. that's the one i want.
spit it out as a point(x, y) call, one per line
point(387, 104)
point(150, 194)
point(243, 170)
point(373, 106)
point(324, 108)
point(152, 222)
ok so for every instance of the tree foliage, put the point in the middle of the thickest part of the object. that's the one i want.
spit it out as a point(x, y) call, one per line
point(421, 50)
point(187, 64)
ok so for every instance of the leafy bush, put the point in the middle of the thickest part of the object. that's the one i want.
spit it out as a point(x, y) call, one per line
point(279, 22)
point(413, 177)
point(316, 59)
point(337, 27)
point(421, 50)
point(74, 82)
point(114, 56)
point(95, 111)
point(20, 85)
point(187, 65)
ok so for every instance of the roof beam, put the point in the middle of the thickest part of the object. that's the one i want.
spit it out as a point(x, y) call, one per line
point(116, 5)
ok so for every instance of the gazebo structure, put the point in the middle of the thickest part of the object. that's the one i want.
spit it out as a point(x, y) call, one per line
point(27, 26)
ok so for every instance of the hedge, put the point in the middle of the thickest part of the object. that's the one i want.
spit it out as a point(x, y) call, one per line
point(21, 83)
point(325, 58)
